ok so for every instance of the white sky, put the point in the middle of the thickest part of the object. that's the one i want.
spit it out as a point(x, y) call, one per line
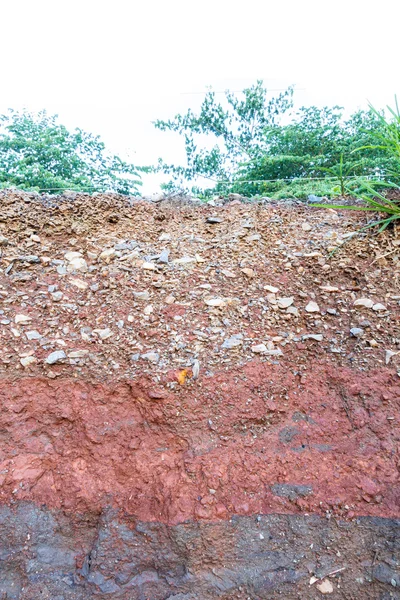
point(113, 67)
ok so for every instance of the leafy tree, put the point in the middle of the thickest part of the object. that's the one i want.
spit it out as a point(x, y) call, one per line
point(236, 128)
point(256, 153)
point(36, 152)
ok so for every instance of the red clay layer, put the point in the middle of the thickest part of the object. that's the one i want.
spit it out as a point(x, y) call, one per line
point(209, 449)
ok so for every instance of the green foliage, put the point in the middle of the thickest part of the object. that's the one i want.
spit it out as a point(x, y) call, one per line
point(242, 145)
point(236, 128)
point(37, 153)
point(387, 139)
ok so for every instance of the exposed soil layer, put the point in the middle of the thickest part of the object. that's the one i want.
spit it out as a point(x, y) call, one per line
point(197, 402)
point(258, 439)
point(50, 556)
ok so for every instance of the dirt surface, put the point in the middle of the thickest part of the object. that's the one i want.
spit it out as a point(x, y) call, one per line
point(195, 367)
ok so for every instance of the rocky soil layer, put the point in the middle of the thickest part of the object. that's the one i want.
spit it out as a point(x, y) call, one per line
point(197, 402)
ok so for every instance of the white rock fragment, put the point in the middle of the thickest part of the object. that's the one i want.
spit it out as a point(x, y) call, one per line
point(22, 319)
point(312, 307)
point(233, 342)
point(72, 255)
point(164, 237)
point(78, 353)
point(274, 352)
point(103, 334)
point(389, 355)
point(56, 357)
point(142, 295)
point(33, 335)
point(57, 296)
point(325, 587)
point(148, 266)
point(152, 357)
point(215, 302)
point(318, 337)
point(228, 273)
point(148, 309)
point(28, 361)
point(77, 264)
point(357, 332)
point(271, 288)
point(306, 226)
point(378, 307)
point(107, 254)
point(285, 302)
point(364, 302)
point(185, 260)
point(259, 348)
point(79, 283)
point(195, 368)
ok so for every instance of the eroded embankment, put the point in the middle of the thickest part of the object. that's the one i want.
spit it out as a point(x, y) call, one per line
point(197, 402)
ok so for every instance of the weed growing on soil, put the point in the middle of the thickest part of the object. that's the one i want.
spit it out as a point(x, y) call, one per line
point(388, 139)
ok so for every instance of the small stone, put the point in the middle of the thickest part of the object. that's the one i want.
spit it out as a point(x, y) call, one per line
point(292, 310)
point(215, 302)
point(30, 258)
point(379, 306)
point(364, 302)
point(271, 288)
point(21, 319)
point(35, 238)
point(365, 323)
point(56, 357)
point(185, 260)
point(148, 266)
point(259, 348)
point(78, 353)
point(107, 254)
point(3, 240)
point(33, 335)
point(373, 343)
point(169, 299)
point(164, 257)
point(228, 273)
point(388, 356)
point(72, 255)
point(61, 270)
point(57, 296)
point(325, 587)
point(148, 309)
point(318, 337)
point(77, 264)
point(285, 302)
point(233, 342)
point(164, 237)
point(248, 272)
point(28, 361)
point(274, 352)
point(195, 368)
point(103, 334)
point(145, 296)
point(152, 357)
point(214, 220)
point(306, 226)
point(79, 283)
point(331, 311)
point(357, 332)
point(312, 307)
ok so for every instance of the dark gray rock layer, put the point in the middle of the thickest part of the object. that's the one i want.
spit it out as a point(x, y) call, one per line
point(50, 555)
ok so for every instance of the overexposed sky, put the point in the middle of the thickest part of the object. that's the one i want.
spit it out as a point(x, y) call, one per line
point(113, 67)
